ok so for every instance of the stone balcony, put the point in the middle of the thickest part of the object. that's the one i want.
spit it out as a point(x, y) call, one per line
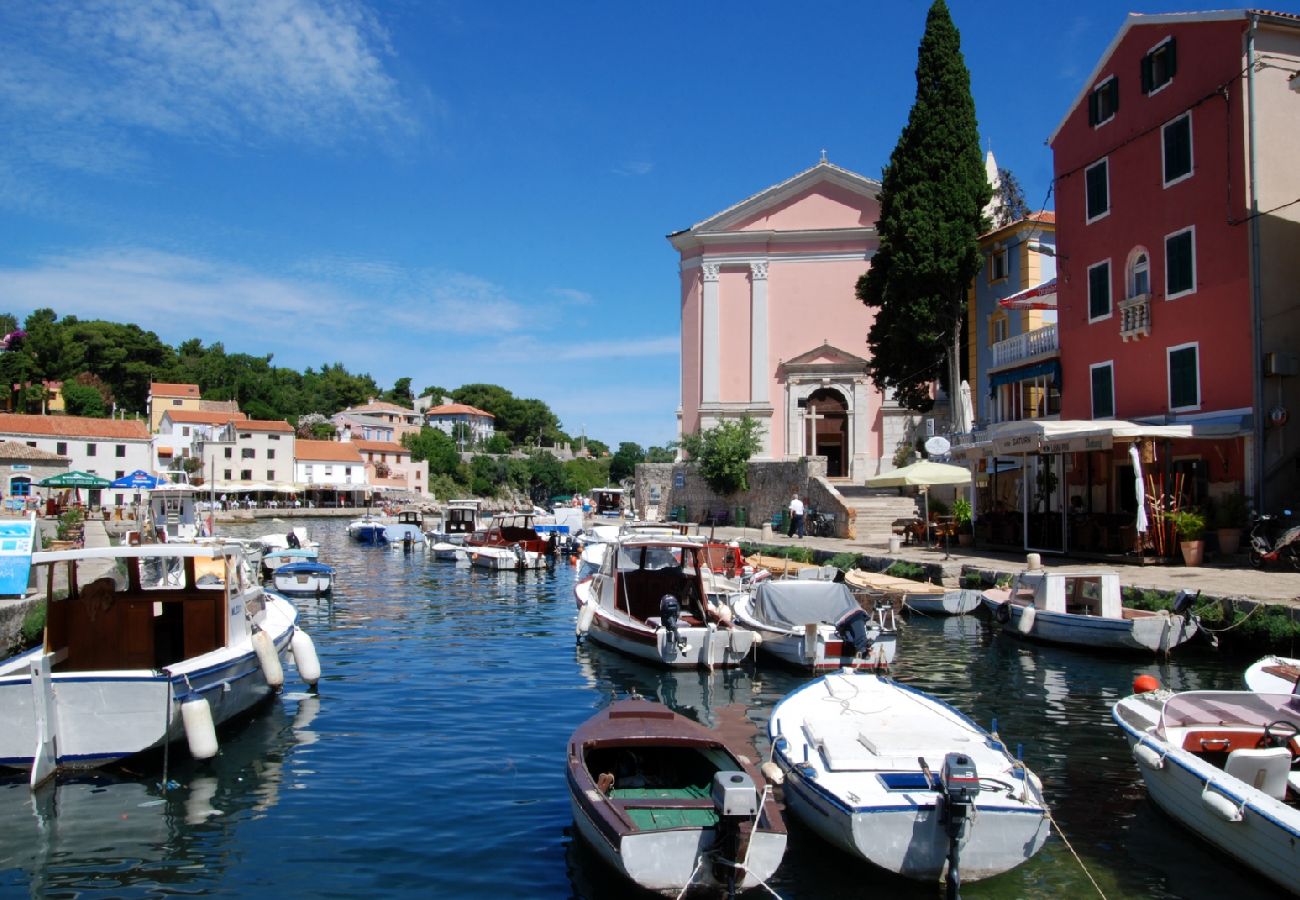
point(1135, 317)
point(1025, 347)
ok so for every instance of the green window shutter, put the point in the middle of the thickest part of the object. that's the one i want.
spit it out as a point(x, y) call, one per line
point(1098, 199)
point(1178, 148)
point(1145, 72)
point(1171, 58)
point(1182, 378)
point(1178, 263)
point(1103, 399)
point(1113, 90)
point(1099, 291)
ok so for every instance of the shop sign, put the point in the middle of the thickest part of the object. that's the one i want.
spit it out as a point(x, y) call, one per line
point(1079, 443)
point(1020, 443)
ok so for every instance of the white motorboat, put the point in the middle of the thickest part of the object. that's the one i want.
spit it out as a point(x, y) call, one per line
point(448, 552)
point(272, 559)
point(143, 645)
point(815, 625)
point(407, 533)
point(459, 521)
point(903, 780)
point(305, 578)
point(1084, 609)
point(670, 805)
point(1220, 764)
point(1274, 675)
point(648, 600)
point(504, 559)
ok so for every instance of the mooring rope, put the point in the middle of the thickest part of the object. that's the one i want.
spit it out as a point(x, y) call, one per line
point(1065, 840)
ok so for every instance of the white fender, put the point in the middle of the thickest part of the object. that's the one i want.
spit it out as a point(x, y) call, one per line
point(709, 634)
point(585, 616)
point(810, 641)
point(1148, 756)
point(772, 772)
point(269, 659)
point(200, 730)
point(304, 656)
point(1221, 805)
point(1026, 623)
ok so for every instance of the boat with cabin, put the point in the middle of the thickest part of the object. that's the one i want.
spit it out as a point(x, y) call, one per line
point(648, 599)
point(1222, 765)
point(668, 804)
point(459, 521)
point(1084, 609)
point(143, 645)
point(904, 781)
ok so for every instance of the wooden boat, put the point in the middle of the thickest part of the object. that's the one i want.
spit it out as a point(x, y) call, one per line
point(666, 802)
point(143, 645)
point(815, 625)
point(1219, 763)
point(903, 780)
point(778, 566)
point(1274, 675)
point(507, 530)
point(648, 600)
point(1083, 609)
point(888, 590)
point(305, 578)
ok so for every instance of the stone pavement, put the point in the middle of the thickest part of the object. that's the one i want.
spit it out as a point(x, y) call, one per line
point(1271, 586)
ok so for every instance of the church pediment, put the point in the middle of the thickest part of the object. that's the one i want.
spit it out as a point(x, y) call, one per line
point(824, 359)
point(823, 198)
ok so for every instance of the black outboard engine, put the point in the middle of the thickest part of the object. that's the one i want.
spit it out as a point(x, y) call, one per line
point(736, 800)
point(670, 610)
point(408, 542)
point(960, 784)
point(292, 540)
point(852, 627)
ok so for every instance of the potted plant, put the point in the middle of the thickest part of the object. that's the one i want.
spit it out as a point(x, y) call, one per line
point(1230, 517)
point(962, 515)
point(1190, 524)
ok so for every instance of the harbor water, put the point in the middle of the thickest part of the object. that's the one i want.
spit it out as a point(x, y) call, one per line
point(431, 762)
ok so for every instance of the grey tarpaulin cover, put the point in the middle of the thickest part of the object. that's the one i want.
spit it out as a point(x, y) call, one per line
point(795, 603)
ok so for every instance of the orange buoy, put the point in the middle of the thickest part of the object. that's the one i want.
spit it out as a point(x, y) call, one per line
point(1144, 684)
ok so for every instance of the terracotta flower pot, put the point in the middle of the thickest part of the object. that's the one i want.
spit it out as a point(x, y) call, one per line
point(1193, 552)
point(1229, 540)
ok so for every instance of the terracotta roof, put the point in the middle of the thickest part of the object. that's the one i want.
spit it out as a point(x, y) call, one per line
point(458, 409)
point(221, 406)
point(74, 426)
point(327, 451)
point(203, 417)
point(381, 405)
point(1044, 217)
point(163, 389)
point(380, 446)
point(16, 450)
point(260, 425)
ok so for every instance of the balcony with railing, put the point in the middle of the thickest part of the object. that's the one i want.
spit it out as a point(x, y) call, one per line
point(1135, 317)
point(1022, 348)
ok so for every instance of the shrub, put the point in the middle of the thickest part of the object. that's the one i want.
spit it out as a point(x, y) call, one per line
point(33, 628)
point(1189, 522)
point(901, 569)
point(1230, 511)
point(722, 454)
point(844, 561)
point(972, 581)
point(962, 513)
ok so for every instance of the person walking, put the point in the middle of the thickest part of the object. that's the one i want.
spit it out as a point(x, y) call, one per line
point(796, 515)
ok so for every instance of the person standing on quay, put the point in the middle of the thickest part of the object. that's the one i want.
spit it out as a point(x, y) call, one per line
point(796, 515)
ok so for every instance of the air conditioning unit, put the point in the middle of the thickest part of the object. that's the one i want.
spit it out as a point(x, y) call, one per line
point(1281, 363)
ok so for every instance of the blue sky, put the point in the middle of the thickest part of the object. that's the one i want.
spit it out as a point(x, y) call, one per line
point(461, 191)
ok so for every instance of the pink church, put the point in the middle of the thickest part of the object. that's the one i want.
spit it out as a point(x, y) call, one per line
point(771, 327)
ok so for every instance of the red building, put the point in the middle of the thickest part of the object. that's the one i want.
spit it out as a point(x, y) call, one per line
point(1178, 214)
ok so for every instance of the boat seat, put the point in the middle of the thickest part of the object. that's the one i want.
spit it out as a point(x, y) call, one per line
point(1265, 769)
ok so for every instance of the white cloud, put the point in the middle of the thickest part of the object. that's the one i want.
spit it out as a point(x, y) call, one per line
point(76, 77)
point(634, 168)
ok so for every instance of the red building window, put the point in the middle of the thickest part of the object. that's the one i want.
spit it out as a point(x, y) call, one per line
point(1184, 377)
point(1159, 66)
point(1103, 102)
point(1180, 263)
point(1099, 291)
point(1097, 184)
point(1177, 149)
point(1103, 390)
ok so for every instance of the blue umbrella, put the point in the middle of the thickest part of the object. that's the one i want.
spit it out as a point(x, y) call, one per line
point(139, 480)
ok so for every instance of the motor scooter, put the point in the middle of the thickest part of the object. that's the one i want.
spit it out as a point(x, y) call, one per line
point(1274, 539)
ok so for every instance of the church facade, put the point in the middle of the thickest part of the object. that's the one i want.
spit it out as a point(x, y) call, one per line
point(771, 327)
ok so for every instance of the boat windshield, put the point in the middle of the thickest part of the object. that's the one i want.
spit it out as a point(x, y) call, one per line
point(1227, 708)
point(653, 557)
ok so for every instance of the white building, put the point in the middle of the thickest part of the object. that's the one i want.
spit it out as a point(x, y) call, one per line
point(322, 466)
point(109, 448)
point(179, 430)
point(389, 466)
point(249, 455)
point(467, 425)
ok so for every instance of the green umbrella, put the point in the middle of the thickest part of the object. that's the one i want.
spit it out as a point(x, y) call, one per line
point(74, 479)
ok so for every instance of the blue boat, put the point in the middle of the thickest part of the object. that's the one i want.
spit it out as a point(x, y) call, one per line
point(305, 578)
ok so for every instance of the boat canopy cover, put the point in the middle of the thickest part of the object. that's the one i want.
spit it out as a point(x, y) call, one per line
point(793, 603)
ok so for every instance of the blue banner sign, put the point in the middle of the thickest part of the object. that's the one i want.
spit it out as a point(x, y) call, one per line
point(16, 538)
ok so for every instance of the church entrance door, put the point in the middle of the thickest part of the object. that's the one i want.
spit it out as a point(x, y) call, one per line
point(828, 430)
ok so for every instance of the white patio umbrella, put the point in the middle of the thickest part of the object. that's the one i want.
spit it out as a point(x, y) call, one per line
point(922, 474)
point(965, 409)
point(1137, 484)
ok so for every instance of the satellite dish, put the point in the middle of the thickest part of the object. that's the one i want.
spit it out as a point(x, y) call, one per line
point(937, 446)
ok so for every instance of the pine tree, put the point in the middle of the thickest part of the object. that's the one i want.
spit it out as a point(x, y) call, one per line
point(932, 197)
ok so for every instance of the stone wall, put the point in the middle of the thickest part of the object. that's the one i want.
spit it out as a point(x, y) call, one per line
point(771, 484)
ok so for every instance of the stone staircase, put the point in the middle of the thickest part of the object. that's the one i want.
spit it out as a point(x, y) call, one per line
point(876, 509)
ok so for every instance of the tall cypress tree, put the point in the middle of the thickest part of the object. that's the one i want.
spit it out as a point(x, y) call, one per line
point(932, 197)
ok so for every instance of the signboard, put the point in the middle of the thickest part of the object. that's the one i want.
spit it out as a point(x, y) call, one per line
point(16, 537)
point(679, 479)
point(20, 467)
point(1079, 443)
point(1020, 443)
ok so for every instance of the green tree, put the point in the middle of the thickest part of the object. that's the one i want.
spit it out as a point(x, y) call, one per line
point(435, 446)
point(401, 393)
point(623, 463)
point(722, 453)
point(932, 198)
point(661, 454)
point(582, 474)
point(498, 443)
point(545, 476)
point(83, 400)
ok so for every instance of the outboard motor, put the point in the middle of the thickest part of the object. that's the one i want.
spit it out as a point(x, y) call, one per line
point(670, 610)
point(960, 784)
point(852, 627)
point(292, 541)
point(736, 800)
point(408, 542)
point(521, 556)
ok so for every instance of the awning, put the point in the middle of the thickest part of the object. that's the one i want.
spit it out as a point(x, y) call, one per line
point(1050, 367)
point(1041, 296)
point(1063, 435)
point(165, 451)
point(74, 479)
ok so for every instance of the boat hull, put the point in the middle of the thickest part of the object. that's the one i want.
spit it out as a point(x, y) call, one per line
point(1266, 838)
point(707, 647)
point(103, 717)
point(307, 582)
point(952, 603)
point(830, 654)
point(1273, 675)
point(1158, 633)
